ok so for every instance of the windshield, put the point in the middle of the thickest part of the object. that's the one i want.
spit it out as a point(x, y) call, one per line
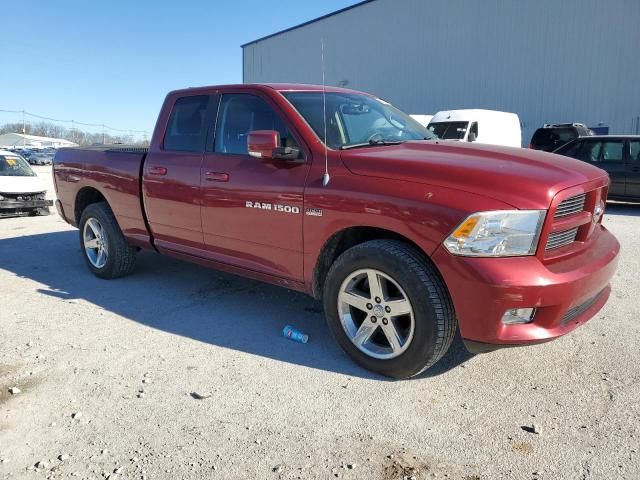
point(354, 119)
point(12, 166)
point(449, 130)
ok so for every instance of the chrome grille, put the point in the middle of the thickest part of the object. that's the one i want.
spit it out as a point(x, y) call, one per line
point(570, 206)
point(575, 312)
point(560, 239)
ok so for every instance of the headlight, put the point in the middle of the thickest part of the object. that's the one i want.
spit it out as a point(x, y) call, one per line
point(499, 233)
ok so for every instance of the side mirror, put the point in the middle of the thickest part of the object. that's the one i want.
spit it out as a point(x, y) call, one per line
point(262, 143)
point(265, 144)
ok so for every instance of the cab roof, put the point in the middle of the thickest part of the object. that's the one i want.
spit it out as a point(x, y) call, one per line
point(279, 87)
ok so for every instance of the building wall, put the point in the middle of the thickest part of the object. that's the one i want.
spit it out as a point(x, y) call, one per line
point(549, 61)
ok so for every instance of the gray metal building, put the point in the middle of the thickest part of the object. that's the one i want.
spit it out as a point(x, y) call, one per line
point(549, 61)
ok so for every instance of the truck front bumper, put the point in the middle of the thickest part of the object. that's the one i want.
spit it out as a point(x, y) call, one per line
point(565, 293)
point(17, 207)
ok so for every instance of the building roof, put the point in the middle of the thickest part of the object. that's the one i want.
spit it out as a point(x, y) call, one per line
point(20, 139)
point(309, 22)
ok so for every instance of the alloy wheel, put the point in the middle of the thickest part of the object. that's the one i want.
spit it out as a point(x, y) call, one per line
point(95, 243)
point(376, 314)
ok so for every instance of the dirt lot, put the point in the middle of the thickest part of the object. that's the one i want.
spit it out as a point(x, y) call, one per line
point(107, 370)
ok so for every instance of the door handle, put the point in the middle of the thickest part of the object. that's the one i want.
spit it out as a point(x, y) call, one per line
point(217, 176)
point(157, 171)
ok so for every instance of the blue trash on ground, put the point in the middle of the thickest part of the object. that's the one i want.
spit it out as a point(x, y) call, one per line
point(295, 335)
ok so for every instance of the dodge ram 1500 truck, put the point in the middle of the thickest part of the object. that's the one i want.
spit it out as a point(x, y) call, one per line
point(406, 240)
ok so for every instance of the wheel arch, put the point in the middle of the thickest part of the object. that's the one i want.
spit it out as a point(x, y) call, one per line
point(85, 197)
point(349, 237)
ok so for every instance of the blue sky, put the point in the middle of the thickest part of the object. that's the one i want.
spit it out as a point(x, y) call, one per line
point(113, 62)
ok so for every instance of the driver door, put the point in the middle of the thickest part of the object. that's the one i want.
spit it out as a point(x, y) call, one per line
point(252, 209)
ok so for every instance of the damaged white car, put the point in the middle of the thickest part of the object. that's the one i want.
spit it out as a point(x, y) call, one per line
point(22, 192)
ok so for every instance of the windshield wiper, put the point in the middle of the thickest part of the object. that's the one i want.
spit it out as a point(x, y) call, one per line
point(372, 143)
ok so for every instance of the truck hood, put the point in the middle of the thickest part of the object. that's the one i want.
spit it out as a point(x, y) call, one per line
point(522, 178)
point(10, 184)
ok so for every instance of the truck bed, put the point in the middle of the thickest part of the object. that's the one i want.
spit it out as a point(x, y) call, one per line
point(113, 171)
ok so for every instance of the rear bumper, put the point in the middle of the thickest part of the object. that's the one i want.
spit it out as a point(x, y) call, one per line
point(566, 294)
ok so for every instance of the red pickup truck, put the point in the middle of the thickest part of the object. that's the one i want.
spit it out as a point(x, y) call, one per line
point(338, 194)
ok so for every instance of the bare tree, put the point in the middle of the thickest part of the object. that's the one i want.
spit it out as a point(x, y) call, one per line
point(48, 129)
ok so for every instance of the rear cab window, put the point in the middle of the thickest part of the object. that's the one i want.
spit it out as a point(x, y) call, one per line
point(188, 124)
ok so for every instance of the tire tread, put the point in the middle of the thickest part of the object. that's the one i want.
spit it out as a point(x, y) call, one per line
point(124, 255)
point(430, 281)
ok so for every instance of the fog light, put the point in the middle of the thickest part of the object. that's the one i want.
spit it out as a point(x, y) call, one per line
point(515, 316)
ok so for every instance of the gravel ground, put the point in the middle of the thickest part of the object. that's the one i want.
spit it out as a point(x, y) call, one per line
point(112, 376)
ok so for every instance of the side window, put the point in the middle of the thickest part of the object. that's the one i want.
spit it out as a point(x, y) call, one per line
point(612, 151)
point(187, 127)
point(474, 129)
point(635, 151)
point(590, 152)
point(242, 113)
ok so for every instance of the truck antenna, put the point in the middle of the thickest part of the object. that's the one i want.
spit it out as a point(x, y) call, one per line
point(325, 177)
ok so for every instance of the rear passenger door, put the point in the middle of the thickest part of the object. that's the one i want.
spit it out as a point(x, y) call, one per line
point(171, 177)
point(633, 169)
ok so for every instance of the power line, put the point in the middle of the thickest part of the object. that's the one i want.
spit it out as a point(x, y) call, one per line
point(74, 122)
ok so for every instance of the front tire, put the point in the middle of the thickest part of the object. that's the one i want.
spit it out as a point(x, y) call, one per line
point(388, 308)
point(105, 250)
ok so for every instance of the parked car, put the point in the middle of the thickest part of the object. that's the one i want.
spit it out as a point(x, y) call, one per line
point(26, 154)
point(404, 240)
point(482, 126)
point(618, 155)
point(41, 158)
point(21, 190)
point(552, 136)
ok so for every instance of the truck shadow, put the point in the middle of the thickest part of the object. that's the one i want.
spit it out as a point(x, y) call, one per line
point(194, 302)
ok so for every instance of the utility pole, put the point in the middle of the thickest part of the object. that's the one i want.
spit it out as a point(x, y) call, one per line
point(24, 130)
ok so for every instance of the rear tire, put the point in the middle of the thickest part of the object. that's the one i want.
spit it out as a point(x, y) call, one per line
point(105, 250)
point(406, 343)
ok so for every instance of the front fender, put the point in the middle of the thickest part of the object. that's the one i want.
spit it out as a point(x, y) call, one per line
point(423, 214)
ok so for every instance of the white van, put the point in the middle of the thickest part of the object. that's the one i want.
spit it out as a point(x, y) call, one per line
point(475, 125)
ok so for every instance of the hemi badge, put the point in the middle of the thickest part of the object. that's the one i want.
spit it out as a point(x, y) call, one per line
point(313, 212)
